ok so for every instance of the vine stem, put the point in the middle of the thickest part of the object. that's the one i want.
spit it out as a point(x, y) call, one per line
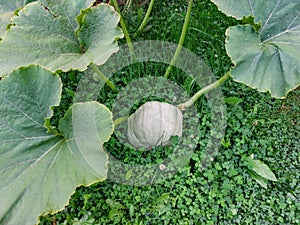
point(127, 37)
point(192, 100)
point(123, 25)
point(102, 76)
point(204, 90)
point(146, 18)
point(120, 120)
point(127, 5)
point(181, 40)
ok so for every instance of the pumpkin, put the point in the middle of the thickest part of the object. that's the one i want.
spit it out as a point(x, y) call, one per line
point(153, 124)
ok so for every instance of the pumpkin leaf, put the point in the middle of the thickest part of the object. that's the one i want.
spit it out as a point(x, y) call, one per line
point(270, 57)
point(40, 170)
point(68, 9)
point(7, 9)
point(60, 35)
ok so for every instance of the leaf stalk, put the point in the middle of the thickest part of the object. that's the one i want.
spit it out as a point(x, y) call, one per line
point(102, 76)
point(124, 28)
point(204, 90)
point(120, 120)
point(181, 40)
point(146, 18)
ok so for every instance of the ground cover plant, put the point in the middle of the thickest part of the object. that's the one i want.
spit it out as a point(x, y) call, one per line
point(191, 196)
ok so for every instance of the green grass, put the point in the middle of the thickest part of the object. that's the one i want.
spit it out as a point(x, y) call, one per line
point(224, 193)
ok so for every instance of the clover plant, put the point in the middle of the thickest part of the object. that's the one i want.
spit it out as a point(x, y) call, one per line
point(40, 165)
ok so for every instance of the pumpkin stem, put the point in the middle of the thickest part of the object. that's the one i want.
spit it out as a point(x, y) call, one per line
point(102, 76)
point(120, 120)
point(204, 90)
point(146, 18)
point(181, 40)
point(124, 28)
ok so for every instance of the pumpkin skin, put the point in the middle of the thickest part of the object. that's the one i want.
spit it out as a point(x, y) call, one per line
point(153, 124)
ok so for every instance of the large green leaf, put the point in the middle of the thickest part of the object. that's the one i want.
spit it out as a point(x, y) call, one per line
point(60, 35)
point(69, 9)
point(268, 60)
point(7, 9)
point(39, 170)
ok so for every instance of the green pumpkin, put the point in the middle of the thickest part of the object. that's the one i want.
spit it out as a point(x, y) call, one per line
point(153, 124)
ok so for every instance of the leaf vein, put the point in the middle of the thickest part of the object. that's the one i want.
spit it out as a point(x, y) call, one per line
point(270, 16)
point(12, 129)
point(19, 110)
point(45, 153)
point(52, 163)
point(296, 17)
point(25, 138)
point(251, 7)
